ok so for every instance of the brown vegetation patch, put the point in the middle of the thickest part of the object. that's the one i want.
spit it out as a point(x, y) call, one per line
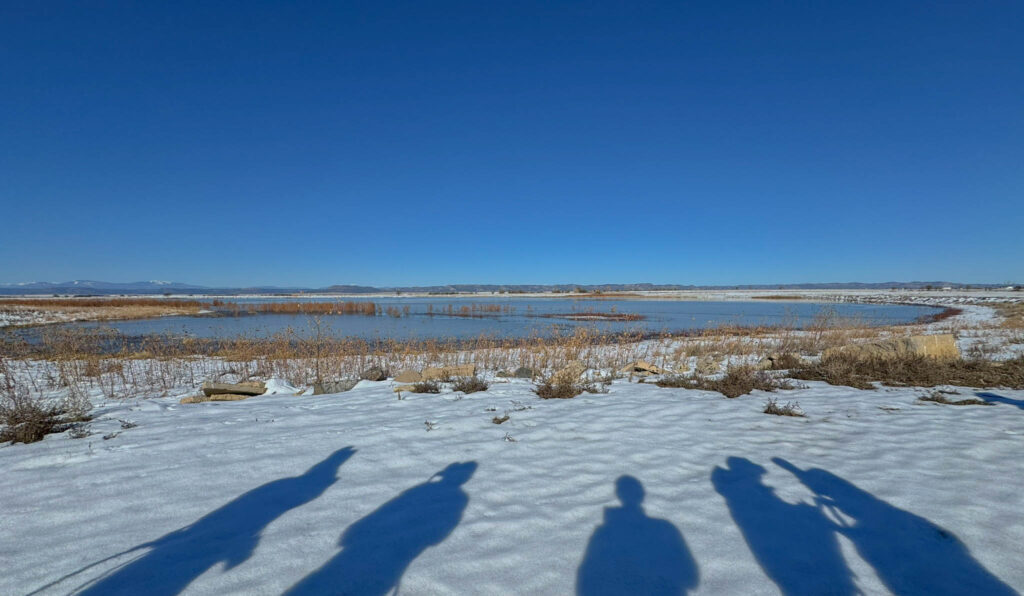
point(940, 398)
point(548, 389)
point(593, 316)
point(469, 384)
point(914, 371)
point(789, 409)
point(737, 381)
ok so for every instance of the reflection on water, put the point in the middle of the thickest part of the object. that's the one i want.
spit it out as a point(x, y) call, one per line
point(516, 317)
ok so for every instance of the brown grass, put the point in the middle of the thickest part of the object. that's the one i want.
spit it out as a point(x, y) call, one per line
point(940, 398)
point(1013, 315)
point(914, 371)
point(741, 380)
point(426, 387)
point(100, 302)
point(100, 309)
point(469, 385)
point(548, 389)
point(789, 409)
point(737, 381)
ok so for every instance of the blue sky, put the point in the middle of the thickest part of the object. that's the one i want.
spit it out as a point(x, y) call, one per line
point(309, 143)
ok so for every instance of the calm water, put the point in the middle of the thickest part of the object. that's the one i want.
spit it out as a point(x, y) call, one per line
point(521, 317)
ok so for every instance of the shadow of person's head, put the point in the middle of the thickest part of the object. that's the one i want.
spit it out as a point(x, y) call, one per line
point(742, 466)
point(328, 468)
point(629, 490)
point(458, 473)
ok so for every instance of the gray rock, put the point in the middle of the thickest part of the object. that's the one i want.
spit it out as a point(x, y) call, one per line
point(374, 373)
point(334, 386)
point(248, 388)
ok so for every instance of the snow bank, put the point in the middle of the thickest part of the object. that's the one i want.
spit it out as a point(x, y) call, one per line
point(638, 487)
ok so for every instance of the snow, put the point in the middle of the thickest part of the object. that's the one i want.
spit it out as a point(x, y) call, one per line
point(284, 493)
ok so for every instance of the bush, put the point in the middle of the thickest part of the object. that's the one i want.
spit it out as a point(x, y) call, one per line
point(740, 380)
point(790, 409)
point(914, 371)
point(426, 387)
point(470, 384)
point(548, 389)
point(737, 381)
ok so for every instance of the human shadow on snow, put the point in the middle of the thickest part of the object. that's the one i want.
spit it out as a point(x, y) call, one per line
point(795, 544)
point(994, 398)
point(631, 553)
point(228, 535)
point(910, 554)
point(377, 549)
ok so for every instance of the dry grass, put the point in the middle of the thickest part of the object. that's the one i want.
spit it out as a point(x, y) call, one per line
point(100, 302)
point(426, 387)
point(939, 397)
point(1013, 315)
point(469, 385)
point(914, 371)
point(99, 309)
point(789, 409)
point(548, 389)
point(741, 380)
point(737, 381)
point(25, 419)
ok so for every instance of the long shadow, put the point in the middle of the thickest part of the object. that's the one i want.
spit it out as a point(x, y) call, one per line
point(992, 397)
point(910, 554)
point(228, 535)
point(795, 544)
point(631, 553)
point(377, 549)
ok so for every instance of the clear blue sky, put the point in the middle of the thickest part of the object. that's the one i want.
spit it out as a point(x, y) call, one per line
point(311, 143)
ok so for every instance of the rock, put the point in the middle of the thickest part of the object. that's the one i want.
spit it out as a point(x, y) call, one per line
point(374, 373)
point(249, 388)
point(409, 376)
point(449, 372)
point(523, 372)
point(708, 365)
point(932, 346)
point(641, 367)
point(194, 399)
point(328, 387)
point(504, 374)
point(569, 374)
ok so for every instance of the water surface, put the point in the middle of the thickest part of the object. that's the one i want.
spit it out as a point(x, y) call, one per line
point(517, 317)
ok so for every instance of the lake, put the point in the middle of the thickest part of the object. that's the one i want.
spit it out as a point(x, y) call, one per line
point(462, 317)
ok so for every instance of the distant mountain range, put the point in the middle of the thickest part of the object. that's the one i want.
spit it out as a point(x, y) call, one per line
point(89, 287)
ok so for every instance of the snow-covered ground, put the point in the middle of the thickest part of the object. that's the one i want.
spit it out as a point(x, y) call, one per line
point(638, 488)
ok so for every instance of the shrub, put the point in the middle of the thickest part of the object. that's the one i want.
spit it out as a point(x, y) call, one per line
point(548, 389)
point(787, 361)
point(426, 387)
point(790, 409)
point(470, 384)
point(737, 381)
point(740, 380)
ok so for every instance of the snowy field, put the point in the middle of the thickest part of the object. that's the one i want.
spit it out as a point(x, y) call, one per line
point(640, 490)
